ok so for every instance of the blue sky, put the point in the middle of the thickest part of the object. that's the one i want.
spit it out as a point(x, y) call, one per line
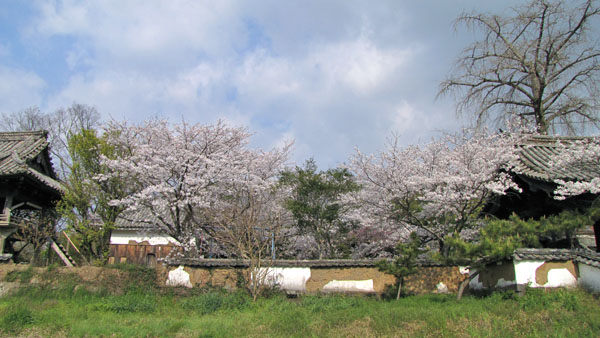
point(332, 75)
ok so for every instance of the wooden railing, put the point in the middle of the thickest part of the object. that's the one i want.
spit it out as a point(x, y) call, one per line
point(71, 248)
point(4, 219)
point(9, 220)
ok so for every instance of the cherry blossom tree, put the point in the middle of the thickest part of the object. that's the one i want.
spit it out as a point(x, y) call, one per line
point(581, 157)
point(198, 181)
point(180, 171)
point(438, 189)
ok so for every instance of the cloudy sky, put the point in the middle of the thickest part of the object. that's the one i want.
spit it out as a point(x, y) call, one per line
point(332, 75)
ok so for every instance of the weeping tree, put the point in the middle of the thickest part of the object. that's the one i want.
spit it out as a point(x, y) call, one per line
point(540, 63)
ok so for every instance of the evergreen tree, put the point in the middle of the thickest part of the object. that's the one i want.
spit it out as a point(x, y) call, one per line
point(316, 206)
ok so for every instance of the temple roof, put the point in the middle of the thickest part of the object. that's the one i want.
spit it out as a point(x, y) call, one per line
point(141, 219)
point(535, 157)
point(19, 152)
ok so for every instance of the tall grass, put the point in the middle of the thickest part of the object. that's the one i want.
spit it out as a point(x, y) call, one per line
point(69, 311)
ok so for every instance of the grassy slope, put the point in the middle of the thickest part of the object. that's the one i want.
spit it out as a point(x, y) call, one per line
point(141, 313)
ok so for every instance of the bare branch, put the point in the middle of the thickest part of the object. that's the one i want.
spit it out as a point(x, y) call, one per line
point(534, 64)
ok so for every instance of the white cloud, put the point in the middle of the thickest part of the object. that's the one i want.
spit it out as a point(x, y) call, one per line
point(334, 74)
point(19, 89)
point(140, 34)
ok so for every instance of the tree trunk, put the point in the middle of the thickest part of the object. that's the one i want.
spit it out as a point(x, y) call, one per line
point(463, 284)
point(399, 288)
point(444, 249)
point(36, 259)
point(540, 118)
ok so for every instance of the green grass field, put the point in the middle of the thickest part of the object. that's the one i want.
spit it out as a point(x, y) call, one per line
point(63, 306)
point(40, 311)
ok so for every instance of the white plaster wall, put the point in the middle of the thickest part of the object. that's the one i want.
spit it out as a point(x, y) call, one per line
point(589, 277)
point(502, 283)
point(560, 278)
point(154, 238)
point(288, 279)
point(179, 277)
point(365, 286)
point(525, 274)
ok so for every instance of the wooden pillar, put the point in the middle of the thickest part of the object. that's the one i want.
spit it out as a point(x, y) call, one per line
point(597, 235)
point(7, 204)
point(4, 233)
point(2, 240)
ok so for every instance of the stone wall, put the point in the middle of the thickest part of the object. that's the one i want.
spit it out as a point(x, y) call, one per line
point(428, 279)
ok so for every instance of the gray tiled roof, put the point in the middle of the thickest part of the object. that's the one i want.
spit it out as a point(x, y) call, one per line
point(285, 263)
point(140, 219)
point(535, 154)
point(544, 254)
point(588, 257)
point(582, 256)
point(17, 148)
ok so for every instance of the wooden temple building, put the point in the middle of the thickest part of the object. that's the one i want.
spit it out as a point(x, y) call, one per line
point(27, 179)
point(536, 177)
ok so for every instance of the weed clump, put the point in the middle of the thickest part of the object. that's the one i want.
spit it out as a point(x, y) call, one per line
point(132, 303)
point(539, 299)
point(17, 319)
point(23, 276)
point(213, 301)
point(140, 278)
